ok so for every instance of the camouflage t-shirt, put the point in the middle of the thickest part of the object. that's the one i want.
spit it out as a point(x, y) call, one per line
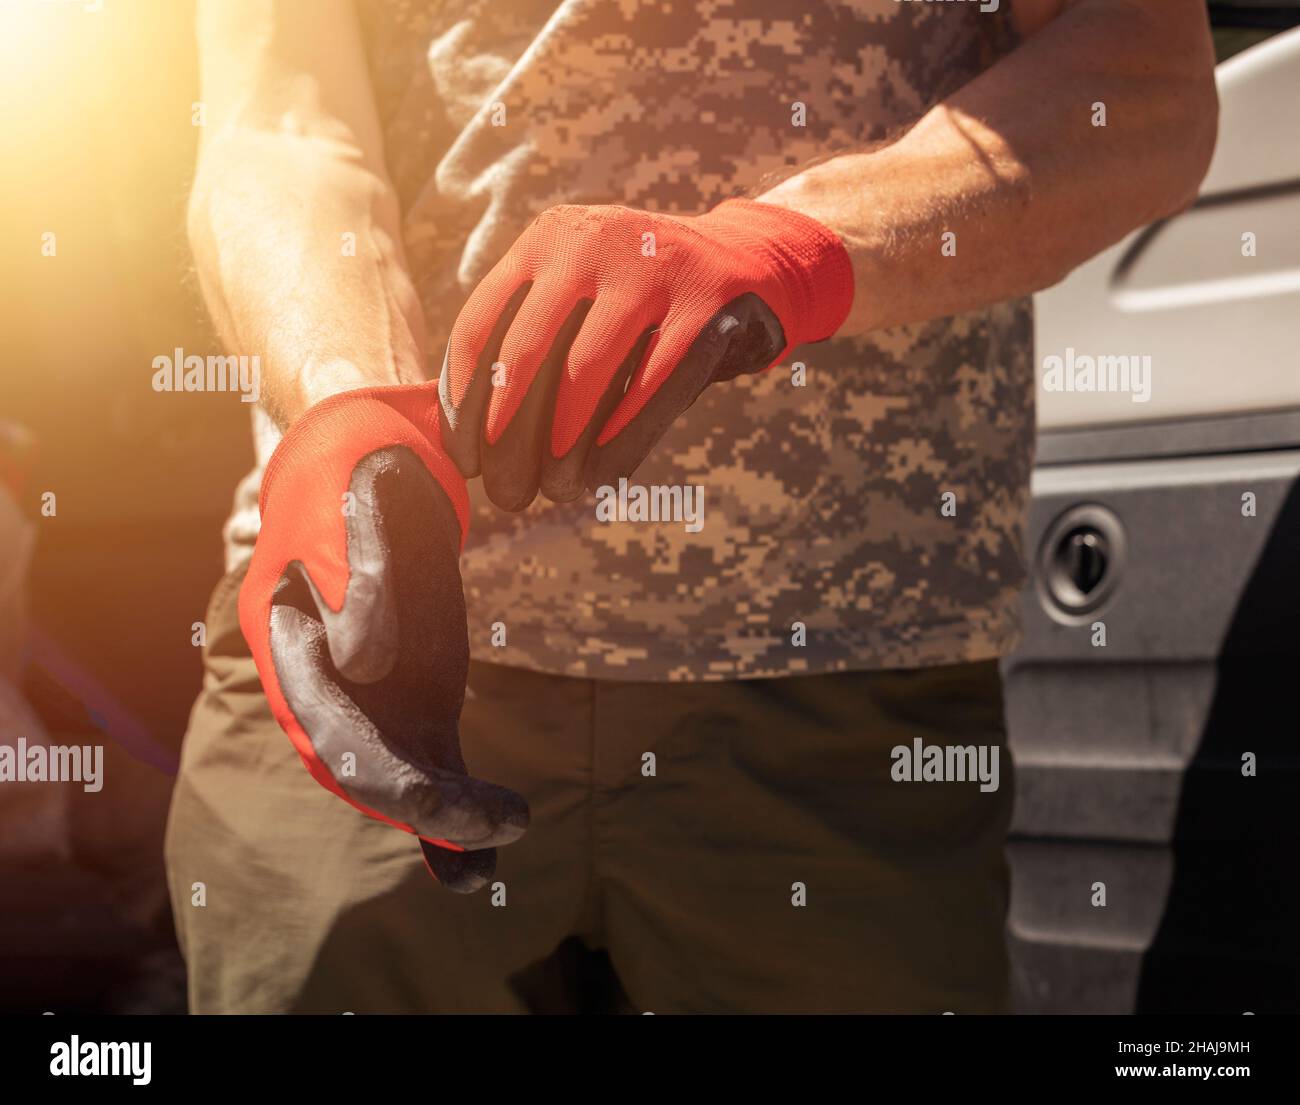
point(870, 518)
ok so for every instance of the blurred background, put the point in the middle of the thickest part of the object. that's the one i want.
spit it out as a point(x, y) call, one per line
point(98, 601)
point(98, 149)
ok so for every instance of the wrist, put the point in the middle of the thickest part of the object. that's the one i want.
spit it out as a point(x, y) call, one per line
point(321, 378)
point(849, 196)
point(347, 426)
point(809, 259)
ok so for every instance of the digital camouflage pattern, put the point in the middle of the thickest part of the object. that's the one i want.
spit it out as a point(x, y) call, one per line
point(823, 503)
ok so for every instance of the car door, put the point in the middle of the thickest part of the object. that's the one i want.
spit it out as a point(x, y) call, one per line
point(1152, 704)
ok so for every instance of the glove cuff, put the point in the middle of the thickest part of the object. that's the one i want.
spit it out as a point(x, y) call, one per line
point(812, 263)
point(351, 424)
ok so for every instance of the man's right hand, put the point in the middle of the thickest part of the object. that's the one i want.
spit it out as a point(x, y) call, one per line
point(354, 612)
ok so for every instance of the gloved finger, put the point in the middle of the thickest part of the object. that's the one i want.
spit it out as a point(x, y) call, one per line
point(362, 634)
point(564, 478)
point(612, 327)
point(531, 338)
point(743, 337)
point(756, 339)
point(465, 386)
point(512, 463)
point(463, 872)
point(383, 759)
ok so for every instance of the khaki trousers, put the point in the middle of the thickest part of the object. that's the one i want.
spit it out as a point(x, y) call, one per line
point(768, 864)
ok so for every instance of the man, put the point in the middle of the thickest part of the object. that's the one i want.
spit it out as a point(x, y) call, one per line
point(675, 782)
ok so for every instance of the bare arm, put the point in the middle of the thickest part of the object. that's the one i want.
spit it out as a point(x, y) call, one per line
point(294, 225)
point(1014, 167)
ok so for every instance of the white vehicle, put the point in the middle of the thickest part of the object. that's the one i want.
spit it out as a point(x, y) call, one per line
point(1152, 704)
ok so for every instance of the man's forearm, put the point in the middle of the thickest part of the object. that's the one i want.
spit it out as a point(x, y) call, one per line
point(298, 251)
point(1013, 167)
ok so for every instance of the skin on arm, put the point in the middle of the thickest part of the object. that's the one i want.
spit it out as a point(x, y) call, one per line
point(355, 618)
point(1012, 165)
point(291, 160)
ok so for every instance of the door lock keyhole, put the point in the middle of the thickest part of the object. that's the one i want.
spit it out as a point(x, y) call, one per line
point(1083, 556)
point(1081, 562)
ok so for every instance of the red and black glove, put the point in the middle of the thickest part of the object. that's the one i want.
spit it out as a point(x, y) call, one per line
point(601, 325)
point(355, 615)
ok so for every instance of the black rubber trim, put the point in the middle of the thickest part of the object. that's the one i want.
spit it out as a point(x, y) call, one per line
point(385, 720)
